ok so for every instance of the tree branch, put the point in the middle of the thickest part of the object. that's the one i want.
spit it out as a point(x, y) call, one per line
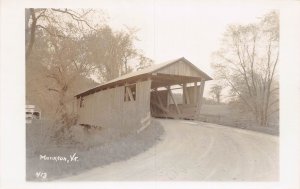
point(73, 16)
point(48, 31)
point(52, 89)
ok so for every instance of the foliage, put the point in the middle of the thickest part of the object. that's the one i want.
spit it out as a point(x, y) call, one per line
point(65, 50)
point(60, 19)
point(111, 52)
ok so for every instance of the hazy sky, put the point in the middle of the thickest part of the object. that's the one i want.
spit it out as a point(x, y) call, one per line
point(172, 29)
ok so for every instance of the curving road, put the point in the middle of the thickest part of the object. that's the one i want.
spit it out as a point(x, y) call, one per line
point(197, 151)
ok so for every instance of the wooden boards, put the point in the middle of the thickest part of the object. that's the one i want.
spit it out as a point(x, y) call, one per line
point(109, 109)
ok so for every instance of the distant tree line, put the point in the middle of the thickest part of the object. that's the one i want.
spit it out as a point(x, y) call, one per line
point(216, 93)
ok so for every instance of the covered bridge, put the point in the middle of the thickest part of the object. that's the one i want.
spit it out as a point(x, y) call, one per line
point(173, 89)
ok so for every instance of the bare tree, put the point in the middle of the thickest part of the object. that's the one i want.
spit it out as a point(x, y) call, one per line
point(216, 91)
point(60, 62)
point(54, 56)
point(247, 62)
point(42, 18)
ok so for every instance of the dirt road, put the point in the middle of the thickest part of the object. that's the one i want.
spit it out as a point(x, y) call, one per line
point(196, 151)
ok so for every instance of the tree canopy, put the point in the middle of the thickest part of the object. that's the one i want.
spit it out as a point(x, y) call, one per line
point(67, 52)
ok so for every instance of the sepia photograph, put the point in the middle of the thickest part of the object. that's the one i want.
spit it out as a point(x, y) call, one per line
point(101, 106)
point(154, 91)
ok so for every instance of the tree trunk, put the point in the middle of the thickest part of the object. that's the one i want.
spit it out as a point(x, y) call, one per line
point(31, 34)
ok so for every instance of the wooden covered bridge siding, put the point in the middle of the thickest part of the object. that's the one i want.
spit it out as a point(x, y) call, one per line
point(189, 80)
point(107, 108)
point(129, 101)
